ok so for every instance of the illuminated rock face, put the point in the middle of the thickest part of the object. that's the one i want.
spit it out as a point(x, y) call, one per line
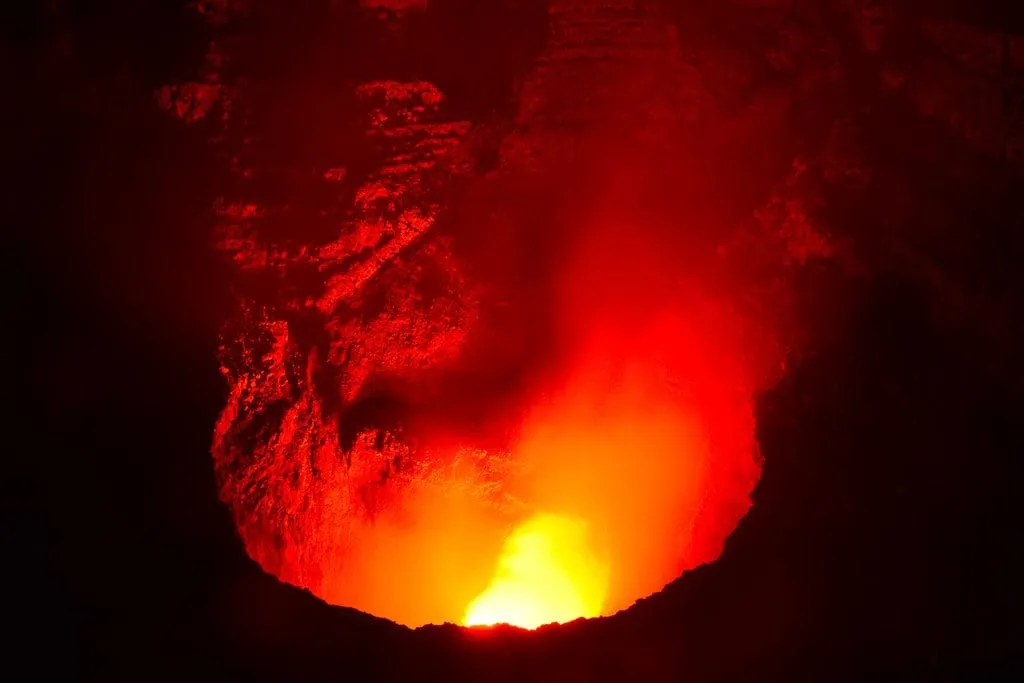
point(383, 302)
point(336, 450)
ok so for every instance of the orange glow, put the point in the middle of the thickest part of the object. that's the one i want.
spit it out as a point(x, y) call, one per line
point(505, 371)
point(546, 574)
point(628, 466)
point(617, 454)
point(623, 453)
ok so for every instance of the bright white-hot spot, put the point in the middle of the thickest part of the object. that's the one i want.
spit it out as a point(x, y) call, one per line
point(547, 573)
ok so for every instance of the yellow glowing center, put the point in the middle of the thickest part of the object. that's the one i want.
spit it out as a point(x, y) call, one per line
point(546, 574)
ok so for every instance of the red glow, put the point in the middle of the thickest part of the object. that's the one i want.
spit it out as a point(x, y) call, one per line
point(628, 457)
point(631, 464)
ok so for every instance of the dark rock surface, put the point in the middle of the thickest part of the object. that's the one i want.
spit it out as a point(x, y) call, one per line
point(884, 535)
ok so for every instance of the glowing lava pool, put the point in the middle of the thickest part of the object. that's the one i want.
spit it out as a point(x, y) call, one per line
point(546, 574)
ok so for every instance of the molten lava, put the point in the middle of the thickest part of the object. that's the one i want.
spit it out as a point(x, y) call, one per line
point(546, 574)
